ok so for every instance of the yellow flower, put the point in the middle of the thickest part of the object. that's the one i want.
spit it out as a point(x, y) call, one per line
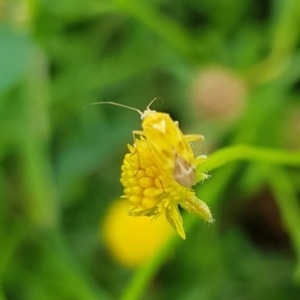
point(151, 191)
point(132, 241)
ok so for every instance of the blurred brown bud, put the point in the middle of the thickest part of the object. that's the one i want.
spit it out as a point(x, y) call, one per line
point(219, 94)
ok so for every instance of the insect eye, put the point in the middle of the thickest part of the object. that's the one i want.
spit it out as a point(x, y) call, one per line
point(147, 113)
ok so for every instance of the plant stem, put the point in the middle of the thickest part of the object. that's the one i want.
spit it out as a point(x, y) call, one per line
point(39, 187)
point(251, 153)
point(286, 196)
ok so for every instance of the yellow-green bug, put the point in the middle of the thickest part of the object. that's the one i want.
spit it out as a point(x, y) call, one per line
point(168, 144)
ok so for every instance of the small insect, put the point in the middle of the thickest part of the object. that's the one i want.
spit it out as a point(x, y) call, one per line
point(168, 144)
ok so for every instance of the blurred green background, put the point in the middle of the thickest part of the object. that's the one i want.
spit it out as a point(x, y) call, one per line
point(227, 69)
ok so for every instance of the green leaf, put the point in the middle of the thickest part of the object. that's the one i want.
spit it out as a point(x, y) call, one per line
point(15, 49)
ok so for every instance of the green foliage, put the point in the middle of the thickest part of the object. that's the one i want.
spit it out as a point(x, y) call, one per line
point(60, 163)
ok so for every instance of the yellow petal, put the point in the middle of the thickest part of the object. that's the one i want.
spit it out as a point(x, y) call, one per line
point(174, 218)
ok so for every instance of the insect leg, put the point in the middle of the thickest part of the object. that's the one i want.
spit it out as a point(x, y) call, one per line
point(195, 141)
point(137, 133)
point(162, 186)
point(193, 138)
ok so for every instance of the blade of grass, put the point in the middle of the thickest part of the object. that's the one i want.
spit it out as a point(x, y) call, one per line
point(286, 196)
point(170, 31)
point(38, 183)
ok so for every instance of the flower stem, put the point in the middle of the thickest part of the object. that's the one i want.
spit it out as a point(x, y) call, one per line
point(251, 153)
point(146, 272)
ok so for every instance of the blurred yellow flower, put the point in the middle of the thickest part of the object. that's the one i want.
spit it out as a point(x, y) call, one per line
point(152, 192)
point(131, 241)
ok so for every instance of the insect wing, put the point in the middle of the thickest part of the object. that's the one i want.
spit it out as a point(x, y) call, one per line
point(184, 167)
point(160, 144)
point(170, 148)
point(195, 142)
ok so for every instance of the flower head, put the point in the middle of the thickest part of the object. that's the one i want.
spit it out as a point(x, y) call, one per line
point(151, 191)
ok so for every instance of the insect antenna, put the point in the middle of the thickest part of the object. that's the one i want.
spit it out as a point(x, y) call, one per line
point(148, 107)
point(116, 104)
